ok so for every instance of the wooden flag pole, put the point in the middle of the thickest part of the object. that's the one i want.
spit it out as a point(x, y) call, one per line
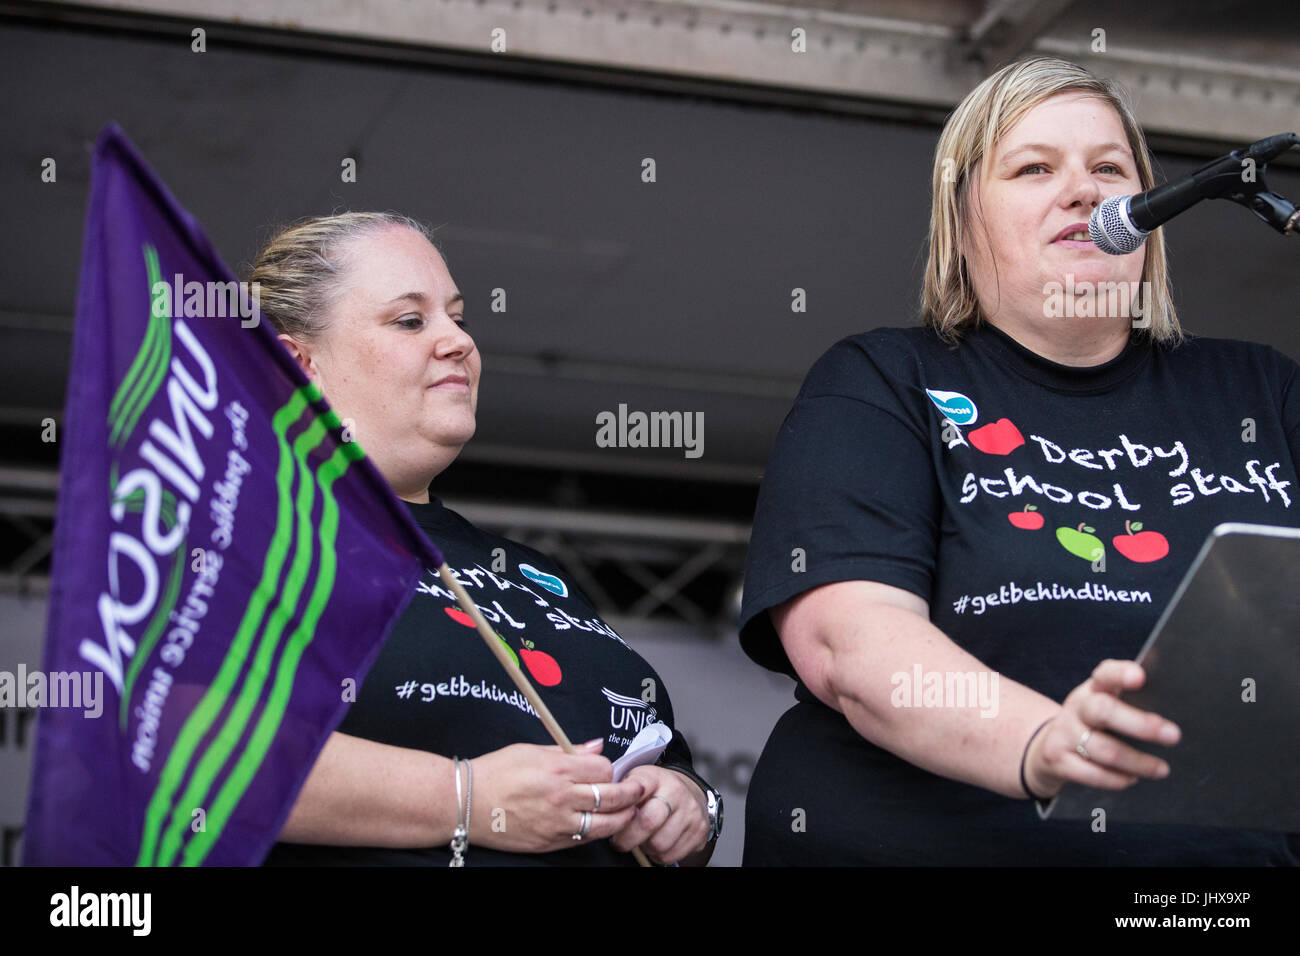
point(504, 658)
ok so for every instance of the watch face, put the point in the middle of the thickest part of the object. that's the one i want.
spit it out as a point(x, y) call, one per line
point(715, 811)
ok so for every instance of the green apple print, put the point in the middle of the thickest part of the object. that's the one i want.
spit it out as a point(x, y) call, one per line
point(1081, 542)
point(510, 650)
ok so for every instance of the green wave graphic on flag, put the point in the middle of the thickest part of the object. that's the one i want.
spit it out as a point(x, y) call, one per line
point(149, 367)
point(212, 762)
point(157, 847)
point(268, 725)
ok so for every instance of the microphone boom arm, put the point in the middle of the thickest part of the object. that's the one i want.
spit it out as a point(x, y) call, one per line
point(1239, 177)
point(1276, 210)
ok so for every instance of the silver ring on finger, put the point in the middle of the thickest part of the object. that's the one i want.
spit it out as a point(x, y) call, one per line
point(595, 792)
point(665, 800)
point(1082, 749)
point(586, 826)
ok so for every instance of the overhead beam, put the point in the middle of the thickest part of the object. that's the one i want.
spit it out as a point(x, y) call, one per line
point(1007, 28)
point(766, 48)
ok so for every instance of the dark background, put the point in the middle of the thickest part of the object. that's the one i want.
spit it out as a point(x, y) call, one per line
point(671, 295)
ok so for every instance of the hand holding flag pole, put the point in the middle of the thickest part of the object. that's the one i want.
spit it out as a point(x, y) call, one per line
point(228, 714)
point(503, 658)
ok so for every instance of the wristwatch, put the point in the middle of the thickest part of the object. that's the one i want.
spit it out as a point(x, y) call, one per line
point(712, 799)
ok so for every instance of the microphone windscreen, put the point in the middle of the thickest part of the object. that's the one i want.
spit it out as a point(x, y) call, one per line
point(1111, 230)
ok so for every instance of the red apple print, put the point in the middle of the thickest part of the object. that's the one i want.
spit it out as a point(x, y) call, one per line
point(459, 616)
point(541, 665)
point(1029, 519)
point(1142, 548)
point(997, 438)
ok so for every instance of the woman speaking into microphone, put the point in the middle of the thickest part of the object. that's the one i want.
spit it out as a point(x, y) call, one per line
point(968, 529)
point(365, 304)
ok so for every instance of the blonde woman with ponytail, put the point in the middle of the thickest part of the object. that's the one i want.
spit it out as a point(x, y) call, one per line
point(438, 761)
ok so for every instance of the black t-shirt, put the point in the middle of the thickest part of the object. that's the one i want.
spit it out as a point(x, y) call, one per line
point(435, 685)
point(1047, 514)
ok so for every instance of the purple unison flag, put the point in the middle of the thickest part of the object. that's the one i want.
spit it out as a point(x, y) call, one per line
point(224, 557)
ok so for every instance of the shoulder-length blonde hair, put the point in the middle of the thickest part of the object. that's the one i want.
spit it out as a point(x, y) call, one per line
point(967, 145)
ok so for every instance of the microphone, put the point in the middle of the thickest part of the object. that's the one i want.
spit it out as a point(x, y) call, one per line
point(1122, 223)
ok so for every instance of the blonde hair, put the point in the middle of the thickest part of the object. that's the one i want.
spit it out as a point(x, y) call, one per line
point(300, 268)
point(967, 144)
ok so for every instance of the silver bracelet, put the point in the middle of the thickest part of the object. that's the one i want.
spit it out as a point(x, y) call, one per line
point(460, 836)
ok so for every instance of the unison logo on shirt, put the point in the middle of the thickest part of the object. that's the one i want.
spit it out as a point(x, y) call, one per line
point(629, 713)
point(955, 405)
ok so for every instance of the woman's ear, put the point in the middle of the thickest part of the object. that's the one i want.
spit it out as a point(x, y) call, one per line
point(302, 355)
